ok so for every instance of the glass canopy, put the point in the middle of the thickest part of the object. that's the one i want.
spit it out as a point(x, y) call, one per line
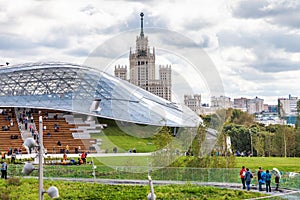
point(86, 90)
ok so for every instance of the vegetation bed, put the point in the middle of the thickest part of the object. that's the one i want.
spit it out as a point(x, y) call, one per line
point(15, 188)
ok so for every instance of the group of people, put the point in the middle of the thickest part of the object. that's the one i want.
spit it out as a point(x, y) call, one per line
point(56, 128)
point(14, 137)
point(81, 159)
point(132, 150)
point(17, 151)
point(6, 128)
point(263, 177)
point(243, 153)
point(8, 117)
point(246, 177)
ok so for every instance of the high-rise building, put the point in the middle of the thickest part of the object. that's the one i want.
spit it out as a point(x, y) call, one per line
point(287, 106)
point(240, 103)
point(255, 105)
point(193, 102)
point(121, 72)
point(252, 106)
point(220, 102)
point(142, 69)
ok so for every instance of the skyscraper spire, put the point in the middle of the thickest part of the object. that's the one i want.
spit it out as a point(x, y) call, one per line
point(142, 26)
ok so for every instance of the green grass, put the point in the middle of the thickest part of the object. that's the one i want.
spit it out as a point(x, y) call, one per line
point(27, 189)
point(126, 136)
point(124, 161)
point(283, 164)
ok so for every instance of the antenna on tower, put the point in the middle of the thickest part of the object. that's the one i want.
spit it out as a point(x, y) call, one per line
point(142, 25)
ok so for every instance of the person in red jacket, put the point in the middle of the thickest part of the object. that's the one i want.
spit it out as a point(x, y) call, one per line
point(83, 157)
point(242, 175)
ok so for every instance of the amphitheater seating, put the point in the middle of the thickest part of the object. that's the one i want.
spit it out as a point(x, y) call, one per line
point(64, 135)
point(6, 140)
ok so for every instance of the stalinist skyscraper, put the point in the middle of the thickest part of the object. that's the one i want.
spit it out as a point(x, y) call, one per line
point(142, 69)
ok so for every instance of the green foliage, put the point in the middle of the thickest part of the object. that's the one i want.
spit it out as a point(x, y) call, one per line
point(245, 135)
point(162, 138)
point(205, 162)
point(13, 181)
point(297, 141)
point(197, 148)
point(215, 120)
point(240, 117)
point(78, 190)
point(240, 137)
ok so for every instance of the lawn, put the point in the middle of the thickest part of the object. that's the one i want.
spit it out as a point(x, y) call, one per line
point(283, 164)
point(22, 189)
point(126, 136)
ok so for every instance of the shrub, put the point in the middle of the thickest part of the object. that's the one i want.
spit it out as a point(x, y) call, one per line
point(4, 196)
point(13, 181)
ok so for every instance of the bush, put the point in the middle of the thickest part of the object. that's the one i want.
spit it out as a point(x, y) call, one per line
point(4, 196)
point(13, 181)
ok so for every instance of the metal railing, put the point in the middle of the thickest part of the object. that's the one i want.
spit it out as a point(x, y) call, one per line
point(220, 175)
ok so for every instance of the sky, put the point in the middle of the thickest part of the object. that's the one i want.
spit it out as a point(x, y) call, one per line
point(253, 45)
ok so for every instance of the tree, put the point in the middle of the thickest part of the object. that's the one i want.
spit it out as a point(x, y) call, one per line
point(259, 143)
point(298, 115)
point(198, 147)
point(162, 138)
point(297, 131)
point(164, 155)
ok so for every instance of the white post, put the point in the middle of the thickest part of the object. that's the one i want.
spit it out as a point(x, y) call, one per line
point(41, 147)
point(151, 188)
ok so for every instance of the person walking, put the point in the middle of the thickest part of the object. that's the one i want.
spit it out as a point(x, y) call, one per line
point(4, 170)
point(248, 177)
point(242, 176)
point(259, 179)
point(277, 178)
point(268, 181)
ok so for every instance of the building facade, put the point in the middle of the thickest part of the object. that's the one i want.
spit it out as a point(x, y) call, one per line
point(220, 102)
point(240, 103)
point(142, 69)
point(287, 106)
point(252, 106)
point(121, 72)
point(193, 102)
point(255, 105)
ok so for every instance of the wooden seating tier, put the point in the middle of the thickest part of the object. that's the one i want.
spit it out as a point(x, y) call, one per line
point(5, 136)
point(64, 136)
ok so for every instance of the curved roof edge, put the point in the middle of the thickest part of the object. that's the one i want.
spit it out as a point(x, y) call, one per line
point(90, 91)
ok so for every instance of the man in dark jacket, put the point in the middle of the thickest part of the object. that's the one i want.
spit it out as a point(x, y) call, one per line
point(259, 179)
point(248, 177)
point(4, 170)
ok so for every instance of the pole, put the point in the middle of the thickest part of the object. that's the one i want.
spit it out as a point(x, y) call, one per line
point(40, 154)
point(151, 187)
point(251, 142)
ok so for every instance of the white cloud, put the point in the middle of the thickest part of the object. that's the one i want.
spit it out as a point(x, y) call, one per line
point(253, 43)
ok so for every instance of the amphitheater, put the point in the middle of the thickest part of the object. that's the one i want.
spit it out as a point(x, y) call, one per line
point(60, 92)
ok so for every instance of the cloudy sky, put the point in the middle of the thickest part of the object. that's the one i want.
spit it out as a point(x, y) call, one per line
point(253, 44)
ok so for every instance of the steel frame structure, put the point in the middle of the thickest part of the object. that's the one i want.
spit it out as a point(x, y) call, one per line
point(87, 90)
